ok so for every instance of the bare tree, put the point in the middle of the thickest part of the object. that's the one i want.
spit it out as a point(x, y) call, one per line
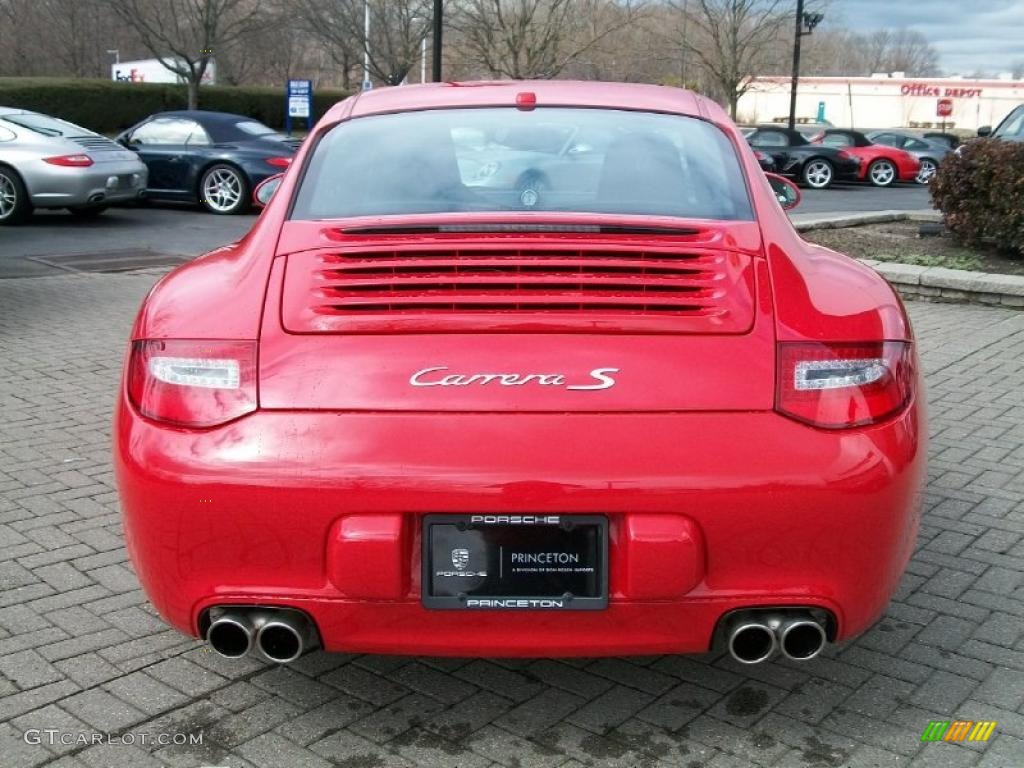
point(397, 28)
point(729, 39)
point(1017, 69)
point(15, 45)
point(536, 38)
point(844, 52)
point(185, 34)
point(901, 50)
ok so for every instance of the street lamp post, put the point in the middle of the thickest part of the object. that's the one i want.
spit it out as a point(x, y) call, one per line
point(436, 68)
point(810, 21)
point(366, 45)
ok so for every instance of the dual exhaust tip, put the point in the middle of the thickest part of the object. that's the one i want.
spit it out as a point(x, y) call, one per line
point(753, 639)
point(280, 635)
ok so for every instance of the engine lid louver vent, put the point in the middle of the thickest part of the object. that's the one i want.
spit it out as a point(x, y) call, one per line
point(482, 288)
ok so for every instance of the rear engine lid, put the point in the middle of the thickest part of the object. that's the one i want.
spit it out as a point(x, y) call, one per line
point(519, 324)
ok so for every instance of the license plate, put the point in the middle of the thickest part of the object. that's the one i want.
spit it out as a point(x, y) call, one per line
point(515, 562)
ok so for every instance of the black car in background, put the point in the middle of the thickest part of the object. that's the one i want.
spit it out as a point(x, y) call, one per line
point(813, 165)
point(213, 158)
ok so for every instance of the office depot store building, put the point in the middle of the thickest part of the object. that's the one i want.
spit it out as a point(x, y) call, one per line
point(884, 101)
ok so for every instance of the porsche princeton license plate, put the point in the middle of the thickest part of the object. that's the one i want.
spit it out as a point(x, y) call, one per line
point(524, 562)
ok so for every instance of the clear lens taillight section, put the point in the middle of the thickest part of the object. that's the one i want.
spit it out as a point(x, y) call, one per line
point(844, 385)
point(193, 383)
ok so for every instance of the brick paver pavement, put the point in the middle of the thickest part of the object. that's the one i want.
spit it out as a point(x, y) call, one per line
point(81, 652)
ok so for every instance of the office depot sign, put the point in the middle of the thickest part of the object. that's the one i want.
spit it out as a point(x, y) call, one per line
point(948, 92)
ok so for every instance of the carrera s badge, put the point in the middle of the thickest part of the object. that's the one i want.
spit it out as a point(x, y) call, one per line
point(600, 378)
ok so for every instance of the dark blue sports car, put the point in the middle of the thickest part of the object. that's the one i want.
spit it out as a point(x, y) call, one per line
point(213, 158)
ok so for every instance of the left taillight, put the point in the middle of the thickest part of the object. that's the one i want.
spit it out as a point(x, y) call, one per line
point(69, 161)
point(837, 386)
point(193, 383)
point(279, 162)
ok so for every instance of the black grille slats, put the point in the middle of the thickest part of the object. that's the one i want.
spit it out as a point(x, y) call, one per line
point(520, 281)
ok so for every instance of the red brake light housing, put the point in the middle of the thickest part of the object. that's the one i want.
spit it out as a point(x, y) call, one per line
point(193, 383)
point(70, 161)
point(279, 162)
point(838, 386)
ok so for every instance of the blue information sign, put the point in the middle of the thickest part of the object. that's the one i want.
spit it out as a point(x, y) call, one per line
point(298, 103)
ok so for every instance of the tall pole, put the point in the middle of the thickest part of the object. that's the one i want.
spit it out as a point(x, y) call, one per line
point(423, 58)
point(436, 69)
point(366, 42)
point(796, 62)
point(686, 40)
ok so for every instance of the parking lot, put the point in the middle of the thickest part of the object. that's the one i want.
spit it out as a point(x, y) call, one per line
point(180, 231)
point(81, 651)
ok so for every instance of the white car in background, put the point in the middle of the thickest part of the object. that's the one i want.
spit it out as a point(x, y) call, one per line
point(46, 162)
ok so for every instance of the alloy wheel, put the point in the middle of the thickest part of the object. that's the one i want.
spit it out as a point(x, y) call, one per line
point(882, 173)
point(8, 196)
point(927, 172)
point(818, 174)
point(222, 190)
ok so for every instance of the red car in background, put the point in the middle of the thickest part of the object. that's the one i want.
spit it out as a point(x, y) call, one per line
point(881, 165)
point(415, 411)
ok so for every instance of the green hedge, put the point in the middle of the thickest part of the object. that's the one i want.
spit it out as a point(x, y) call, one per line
point(108, 107)
point(980, 191)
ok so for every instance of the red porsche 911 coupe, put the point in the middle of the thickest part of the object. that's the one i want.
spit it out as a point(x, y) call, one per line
point(522, 369)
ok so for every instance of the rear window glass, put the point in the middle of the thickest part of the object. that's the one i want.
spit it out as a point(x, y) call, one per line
point(255, 129)
point(549, 159)
point(1013, 126)
point(46, 125)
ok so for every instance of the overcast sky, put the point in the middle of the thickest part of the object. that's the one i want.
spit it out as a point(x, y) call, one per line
point(969, 34)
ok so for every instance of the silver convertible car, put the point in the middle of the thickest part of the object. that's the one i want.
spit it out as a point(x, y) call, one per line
point(50, 163)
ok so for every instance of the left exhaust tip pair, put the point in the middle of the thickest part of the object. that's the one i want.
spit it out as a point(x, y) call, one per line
point(280, 635)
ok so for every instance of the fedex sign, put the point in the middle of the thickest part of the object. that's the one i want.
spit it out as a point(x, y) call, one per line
point(152, 71)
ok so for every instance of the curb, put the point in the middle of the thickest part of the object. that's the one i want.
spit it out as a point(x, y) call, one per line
point(929, 283)
point(841, 220)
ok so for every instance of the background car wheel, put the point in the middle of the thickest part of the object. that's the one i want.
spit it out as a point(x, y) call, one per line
point(882, 173)
point(224, 190)
point(927, 172)
point(15, 206)
point(87, 211)
point(531, 189)
point(818, 174)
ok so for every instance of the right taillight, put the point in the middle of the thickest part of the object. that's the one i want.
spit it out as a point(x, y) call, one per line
point(836, 386)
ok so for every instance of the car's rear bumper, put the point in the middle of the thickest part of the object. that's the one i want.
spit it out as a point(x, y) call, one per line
point(103, 183)
point(781, 514)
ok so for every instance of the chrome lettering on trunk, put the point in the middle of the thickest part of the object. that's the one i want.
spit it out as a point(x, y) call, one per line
point(434, 377)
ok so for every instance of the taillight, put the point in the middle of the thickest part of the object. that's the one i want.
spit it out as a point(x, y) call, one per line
point(69, 161)
point(193, 383)
point(279, 162)
point(844, 385)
